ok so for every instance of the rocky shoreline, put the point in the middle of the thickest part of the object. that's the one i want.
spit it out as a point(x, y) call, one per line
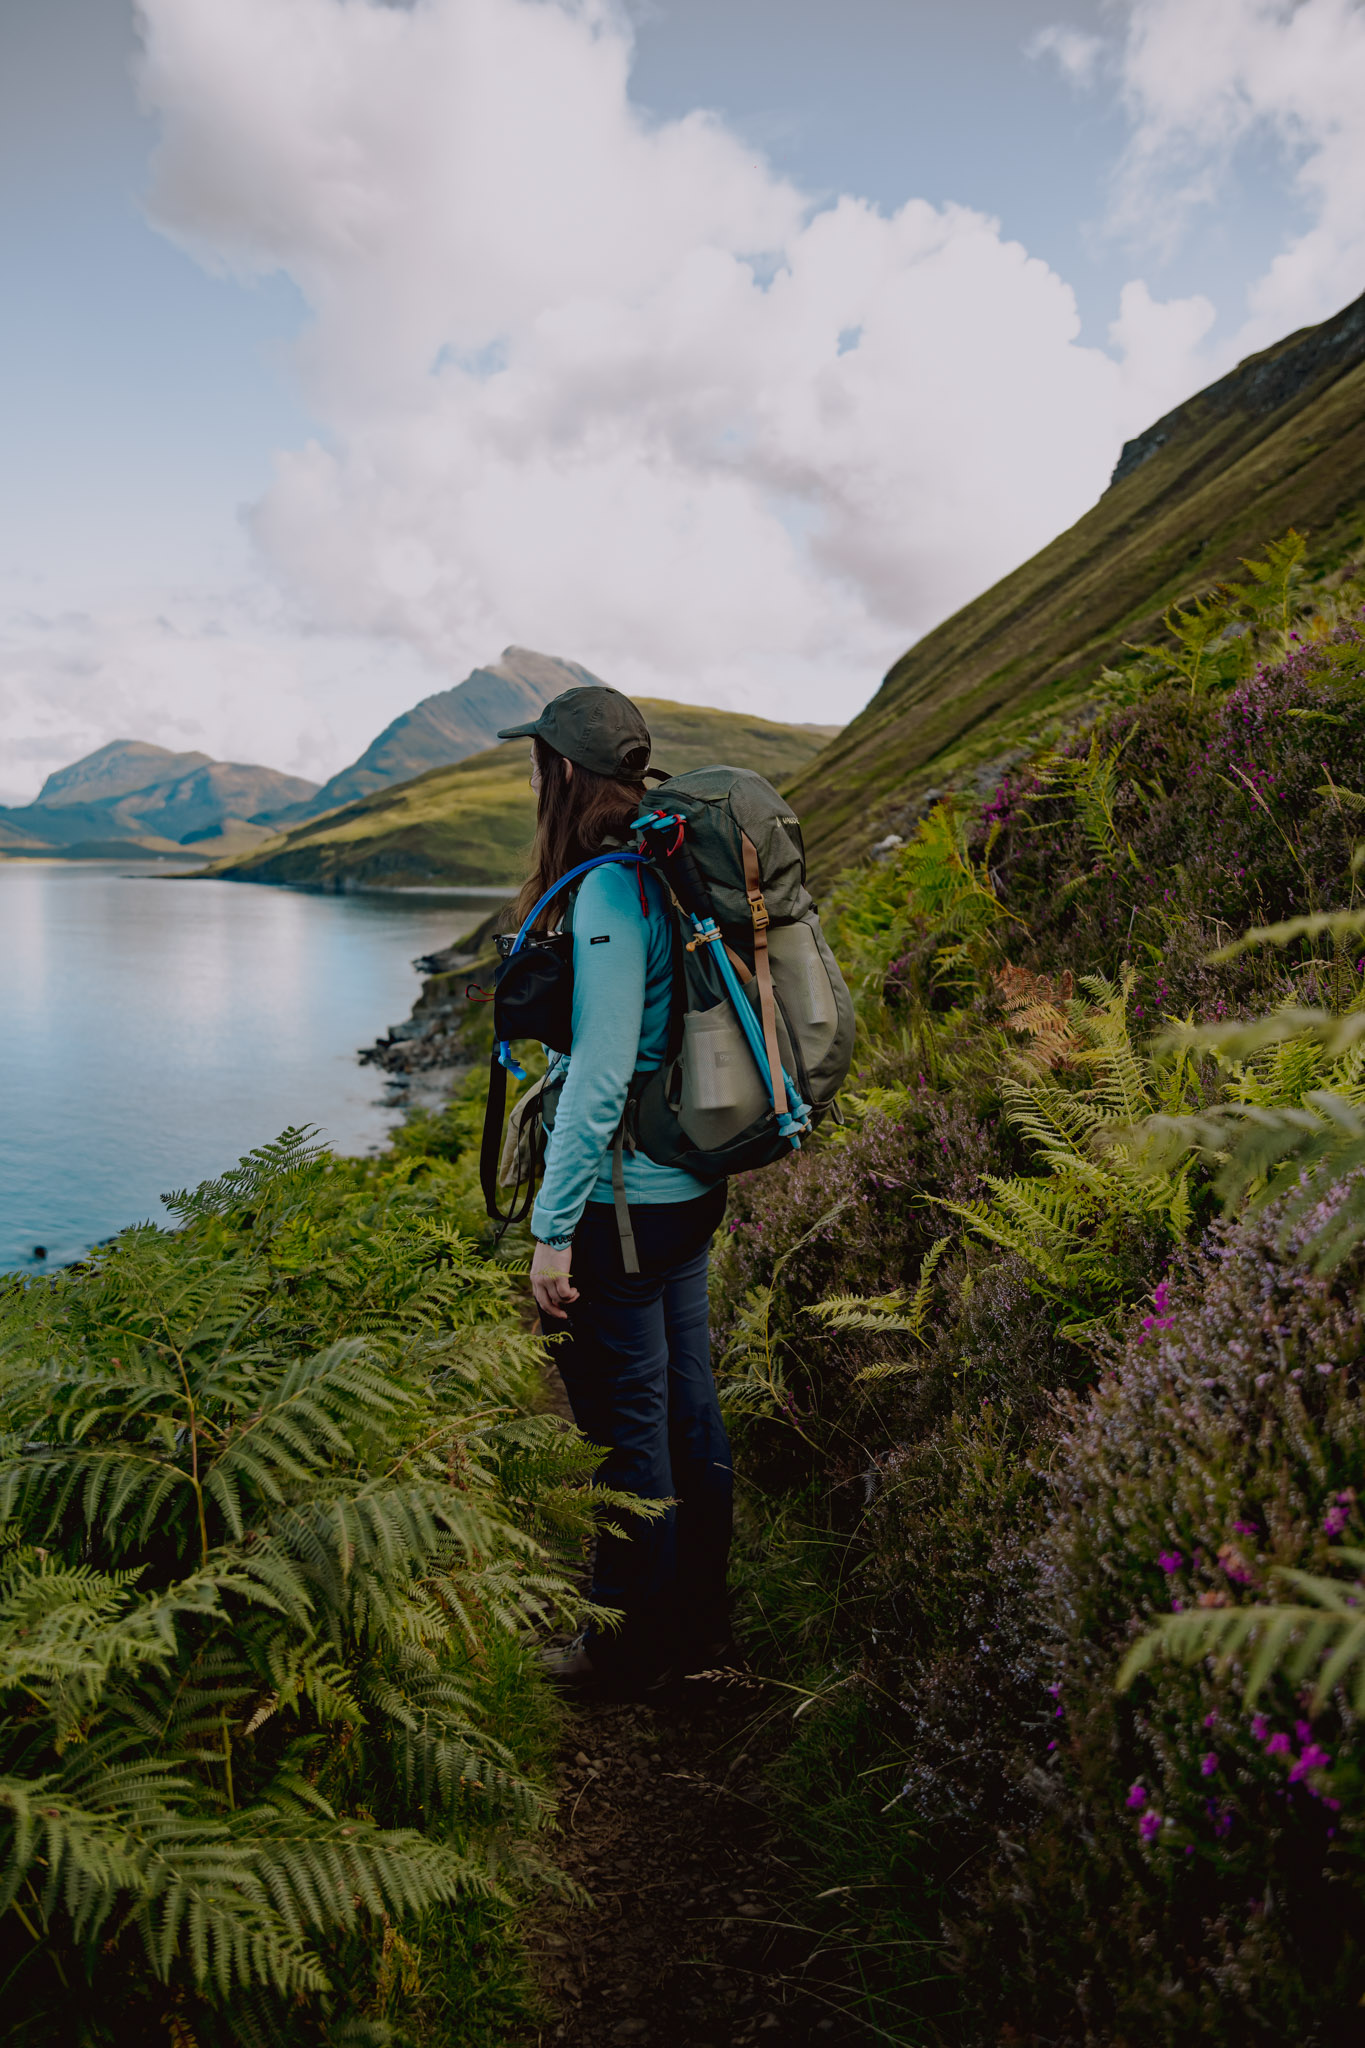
point(431, 1039)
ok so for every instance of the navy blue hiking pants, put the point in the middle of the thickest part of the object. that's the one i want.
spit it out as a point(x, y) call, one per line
point(636, 1365)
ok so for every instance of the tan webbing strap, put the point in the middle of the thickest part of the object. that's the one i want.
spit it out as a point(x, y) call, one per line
point(629, 1258)
point(763, 971)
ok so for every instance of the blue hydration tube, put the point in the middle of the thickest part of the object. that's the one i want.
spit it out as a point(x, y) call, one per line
point(600, 860)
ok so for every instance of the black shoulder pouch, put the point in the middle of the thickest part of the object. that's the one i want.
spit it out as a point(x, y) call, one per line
point(533, 991)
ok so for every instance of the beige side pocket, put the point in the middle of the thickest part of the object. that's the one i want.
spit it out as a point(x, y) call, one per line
point(722, 1091)
point(524, 1139)
point(804, 990)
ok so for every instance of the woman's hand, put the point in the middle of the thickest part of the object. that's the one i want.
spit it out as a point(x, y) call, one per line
point(550, 1282)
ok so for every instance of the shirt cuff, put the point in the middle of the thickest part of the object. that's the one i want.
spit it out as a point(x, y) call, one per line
point(556, 1244)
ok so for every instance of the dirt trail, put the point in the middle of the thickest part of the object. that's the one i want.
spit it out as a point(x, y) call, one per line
point(698, 1932)
point(694, 1937)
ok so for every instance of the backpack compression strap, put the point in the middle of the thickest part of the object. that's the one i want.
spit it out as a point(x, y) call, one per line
point(763, 971)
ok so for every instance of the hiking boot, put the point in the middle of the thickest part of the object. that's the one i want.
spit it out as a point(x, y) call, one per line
point(572, 1670)
point(569, 1667)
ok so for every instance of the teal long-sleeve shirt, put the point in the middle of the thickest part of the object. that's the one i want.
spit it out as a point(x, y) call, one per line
point(622, 988)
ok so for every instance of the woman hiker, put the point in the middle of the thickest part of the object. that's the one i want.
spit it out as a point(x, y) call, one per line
point(636, 1356)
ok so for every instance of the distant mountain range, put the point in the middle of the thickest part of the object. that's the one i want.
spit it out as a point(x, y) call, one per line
point(134, 799)
point(470, 823)
point(1278, 442)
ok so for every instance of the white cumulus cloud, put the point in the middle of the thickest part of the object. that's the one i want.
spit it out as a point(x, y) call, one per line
point(236, 674)
point(611, 386)
point(1204, 78)
point(1078, 52)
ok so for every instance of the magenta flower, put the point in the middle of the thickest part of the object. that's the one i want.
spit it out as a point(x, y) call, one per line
point(1208, 1765)
point(1170, 1560)
point(1260, 1727)
point(1279, 1744)
point(1235, 1565)
point(1335, 1520)
point(1314, 1758)
point(1150, 1825)
point(1137, 1796)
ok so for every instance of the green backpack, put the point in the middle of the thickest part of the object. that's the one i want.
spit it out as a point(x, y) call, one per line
point(761, 1026)
point(761, 1029)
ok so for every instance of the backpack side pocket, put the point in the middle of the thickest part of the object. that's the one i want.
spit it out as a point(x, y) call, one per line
point(722, 1090)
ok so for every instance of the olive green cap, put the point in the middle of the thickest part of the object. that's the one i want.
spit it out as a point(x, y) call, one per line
point(593, 726)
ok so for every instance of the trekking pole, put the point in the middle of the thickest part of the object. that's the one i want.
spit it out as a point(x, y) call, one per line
point(794, 1122)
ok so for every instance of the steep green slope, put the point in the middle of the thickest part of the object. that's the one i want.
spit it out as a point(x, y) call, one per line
point(470, 824)
point(1279, 442)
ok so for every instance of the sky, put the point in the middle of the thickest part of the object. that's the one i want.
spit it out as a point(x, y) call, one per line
point(723, 345)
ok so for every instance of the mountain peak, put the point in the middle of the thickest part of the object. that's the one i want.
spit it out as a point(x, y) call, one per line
point(116, 770)
point(451, 725)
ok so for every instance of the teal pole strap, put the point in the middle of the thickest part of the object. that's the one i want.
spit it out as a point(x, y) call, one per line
point(796, 1122)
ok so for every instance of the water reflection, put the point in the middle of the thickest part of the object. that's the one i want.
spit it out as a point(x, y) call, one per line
point(153, 1030)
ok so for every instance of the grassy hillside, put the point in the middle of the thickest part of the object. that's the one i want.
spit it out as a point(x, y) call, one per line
point(470, 824)
point(1280, 442)
point(1053, 1349)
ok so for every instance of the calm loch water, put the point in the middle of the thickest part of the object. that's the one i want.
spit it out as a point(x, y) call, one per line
point(151, 1031)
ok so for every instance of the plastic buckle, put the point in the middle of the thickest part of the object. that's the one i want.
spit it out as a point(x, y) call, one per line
point(758, 910)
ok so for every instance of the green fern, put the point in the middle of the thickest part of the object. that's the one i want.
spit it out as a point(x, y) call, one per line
point(885, 1315)
point(1219, 636)
point(267, 1489)
point(1289, 1128)
point(1065, 1225)
point(934, 884)
point(749, 1377)
point(1092, 783)
point(1319, 1638)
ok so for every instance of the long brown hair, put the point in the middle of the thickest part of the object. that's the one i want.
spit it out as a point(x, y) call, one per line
point(576, 817)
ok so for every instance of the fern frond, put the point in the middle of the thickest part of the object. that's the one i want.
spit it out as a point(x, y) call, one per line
point(1324, 1634)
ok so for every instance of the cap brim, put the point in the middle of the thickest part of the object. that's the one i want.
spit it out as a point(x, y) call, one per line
point(520, 732)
